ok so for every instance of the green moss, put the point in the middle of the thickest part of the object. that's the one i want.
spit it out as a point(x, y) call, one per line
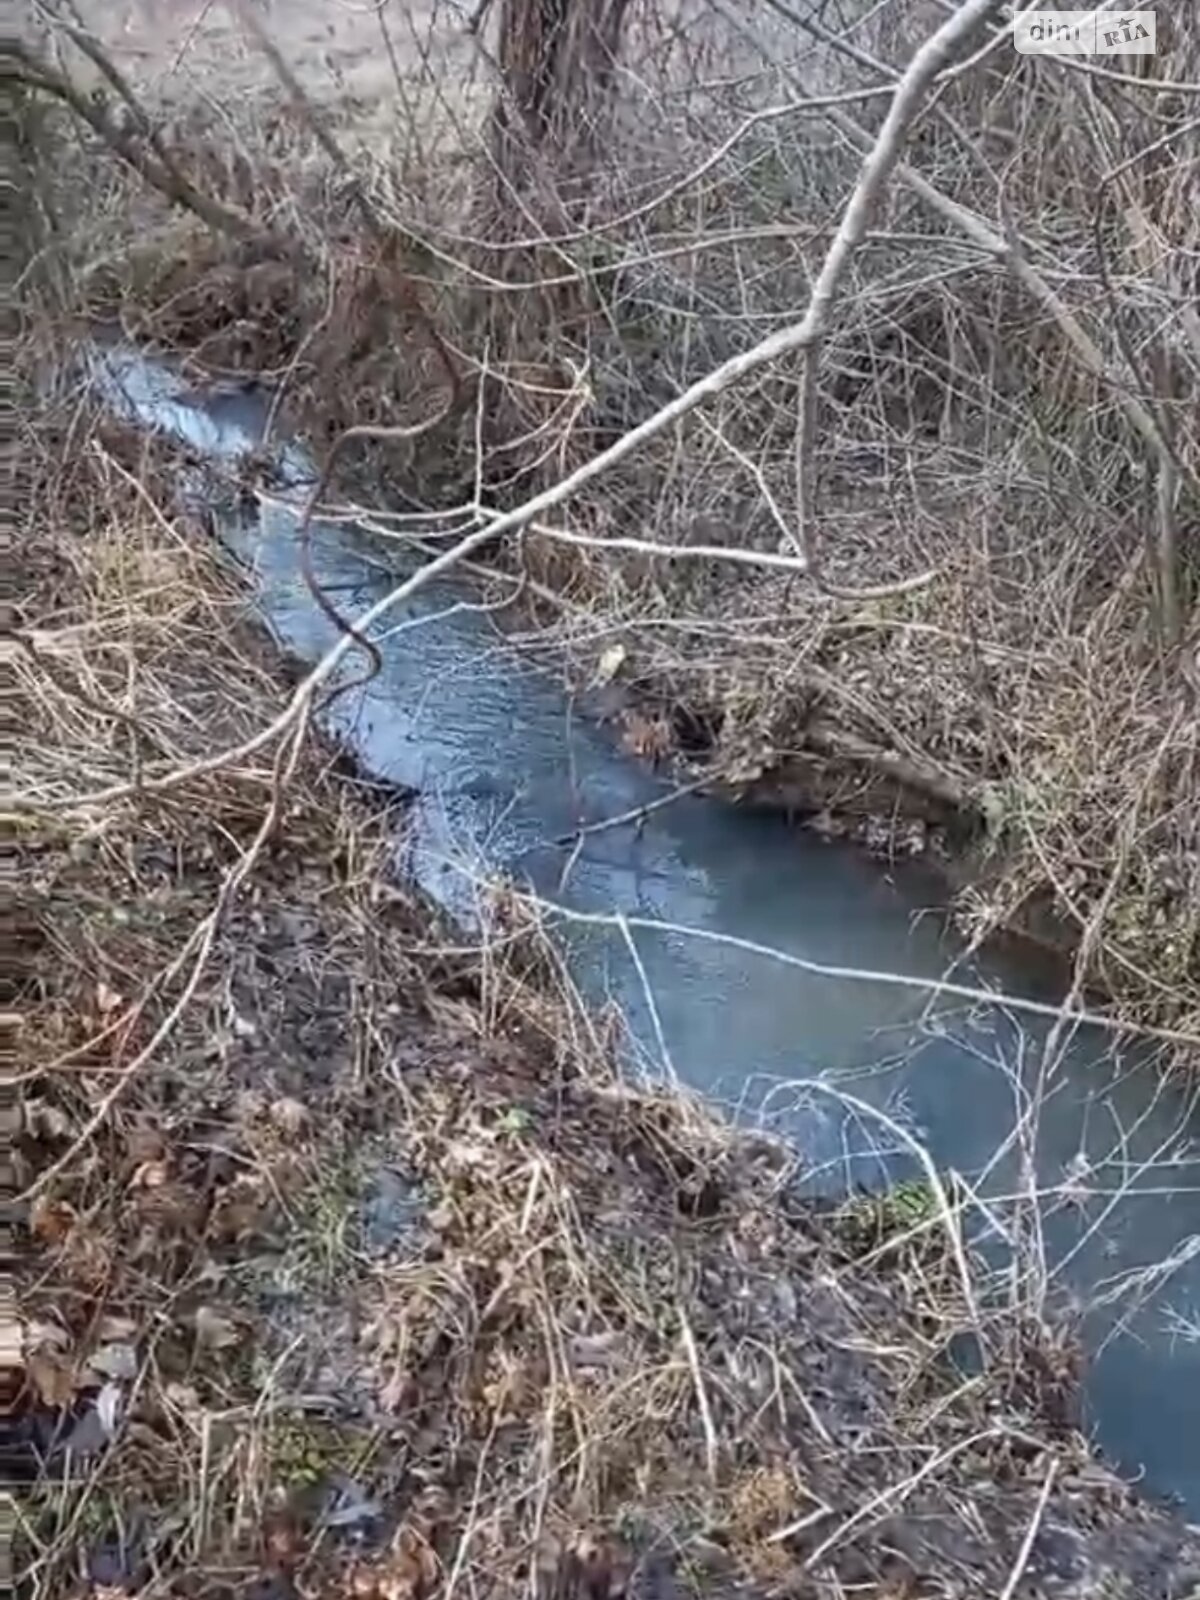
point(867, 1222)
point(323, 1236)
point(89, 1513)
point(305, 1452)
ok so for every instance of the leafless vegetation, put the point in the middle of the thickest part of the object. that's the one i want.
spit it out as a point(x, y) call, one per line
point(1002, 391)
point(607, 1350)
point(373, 1278)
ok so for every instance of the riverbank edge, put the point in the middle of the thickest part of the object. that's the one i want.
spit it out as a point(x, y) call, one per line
point(838, 787)
point(1136, 1542)
point(79, 1229)
point(818, 768)
point(952, 846)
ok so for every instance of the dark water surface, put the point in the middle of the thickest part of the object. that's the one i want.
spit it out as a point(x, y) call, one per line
point(502, 771)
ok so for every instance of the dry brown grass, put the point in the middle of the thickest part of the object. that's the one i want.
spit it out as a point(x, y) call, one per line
point(1024, 702)
point(602, 1346)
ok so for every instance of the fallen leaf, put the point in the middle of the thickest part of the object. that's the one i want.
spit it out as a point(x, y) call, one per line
point(53, 1381)
point(410, 1571)
point(283, 1542)
point(610, 663)
point(240, 1209)
point(107, 998)
point(51, 1220)
point(182, 1395)
point(149, 1175)
point(108, 1408)
point(45, 1121)
point(116, 1330)
point(45, 1336)
point(214, 1331)
point(364, 1584)
point(647, 737)
point(87, 1259)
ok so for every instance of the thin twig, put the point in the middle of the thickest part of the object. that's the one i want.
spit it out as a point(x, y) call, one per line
point(1031, 1533)
point(639, 967)
point(889, 980)
point(201, 943)
point(634, 814)
point(168, 179)
point(381, 230)
point(877, 168)
point(711, 1448)
point(347, 629)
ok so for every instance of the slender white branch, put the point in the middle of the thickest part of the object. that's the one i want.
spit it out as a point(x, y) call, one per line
point(1031, 1533)
point(915, 981)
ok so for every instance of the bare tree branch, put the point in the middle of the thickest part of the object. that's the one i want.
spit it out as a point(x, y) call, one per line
point(152, 165)
point(381, 230)
point(1139, 408)
point(877, 168)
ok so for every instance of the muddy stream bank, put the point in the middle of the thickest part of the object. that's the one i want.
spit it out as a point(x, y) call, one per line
point(504, 774)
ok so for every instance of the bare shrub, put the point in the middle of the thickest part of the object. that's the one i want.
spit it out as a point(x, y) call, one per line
point(589, 1355)
point(1005, 395)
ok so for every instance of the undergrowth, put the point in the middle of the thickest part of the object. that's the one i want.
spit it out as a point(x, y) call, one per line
point(354, 1268)
point(1020, 711)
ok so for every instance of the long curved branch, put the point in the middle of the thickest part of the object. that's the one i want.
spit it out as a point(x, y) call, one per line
point(304, 533)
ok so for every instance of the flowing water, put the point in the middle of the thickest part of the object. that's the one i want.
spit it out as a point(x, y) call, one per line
point(504, 773)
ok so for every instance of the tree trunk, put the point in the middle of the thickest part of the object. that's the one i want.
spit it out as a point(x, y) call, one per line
point(557, 58)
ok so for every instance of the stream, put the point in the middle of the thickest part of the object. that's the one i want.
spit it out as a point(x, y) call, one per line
point(503, 769)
